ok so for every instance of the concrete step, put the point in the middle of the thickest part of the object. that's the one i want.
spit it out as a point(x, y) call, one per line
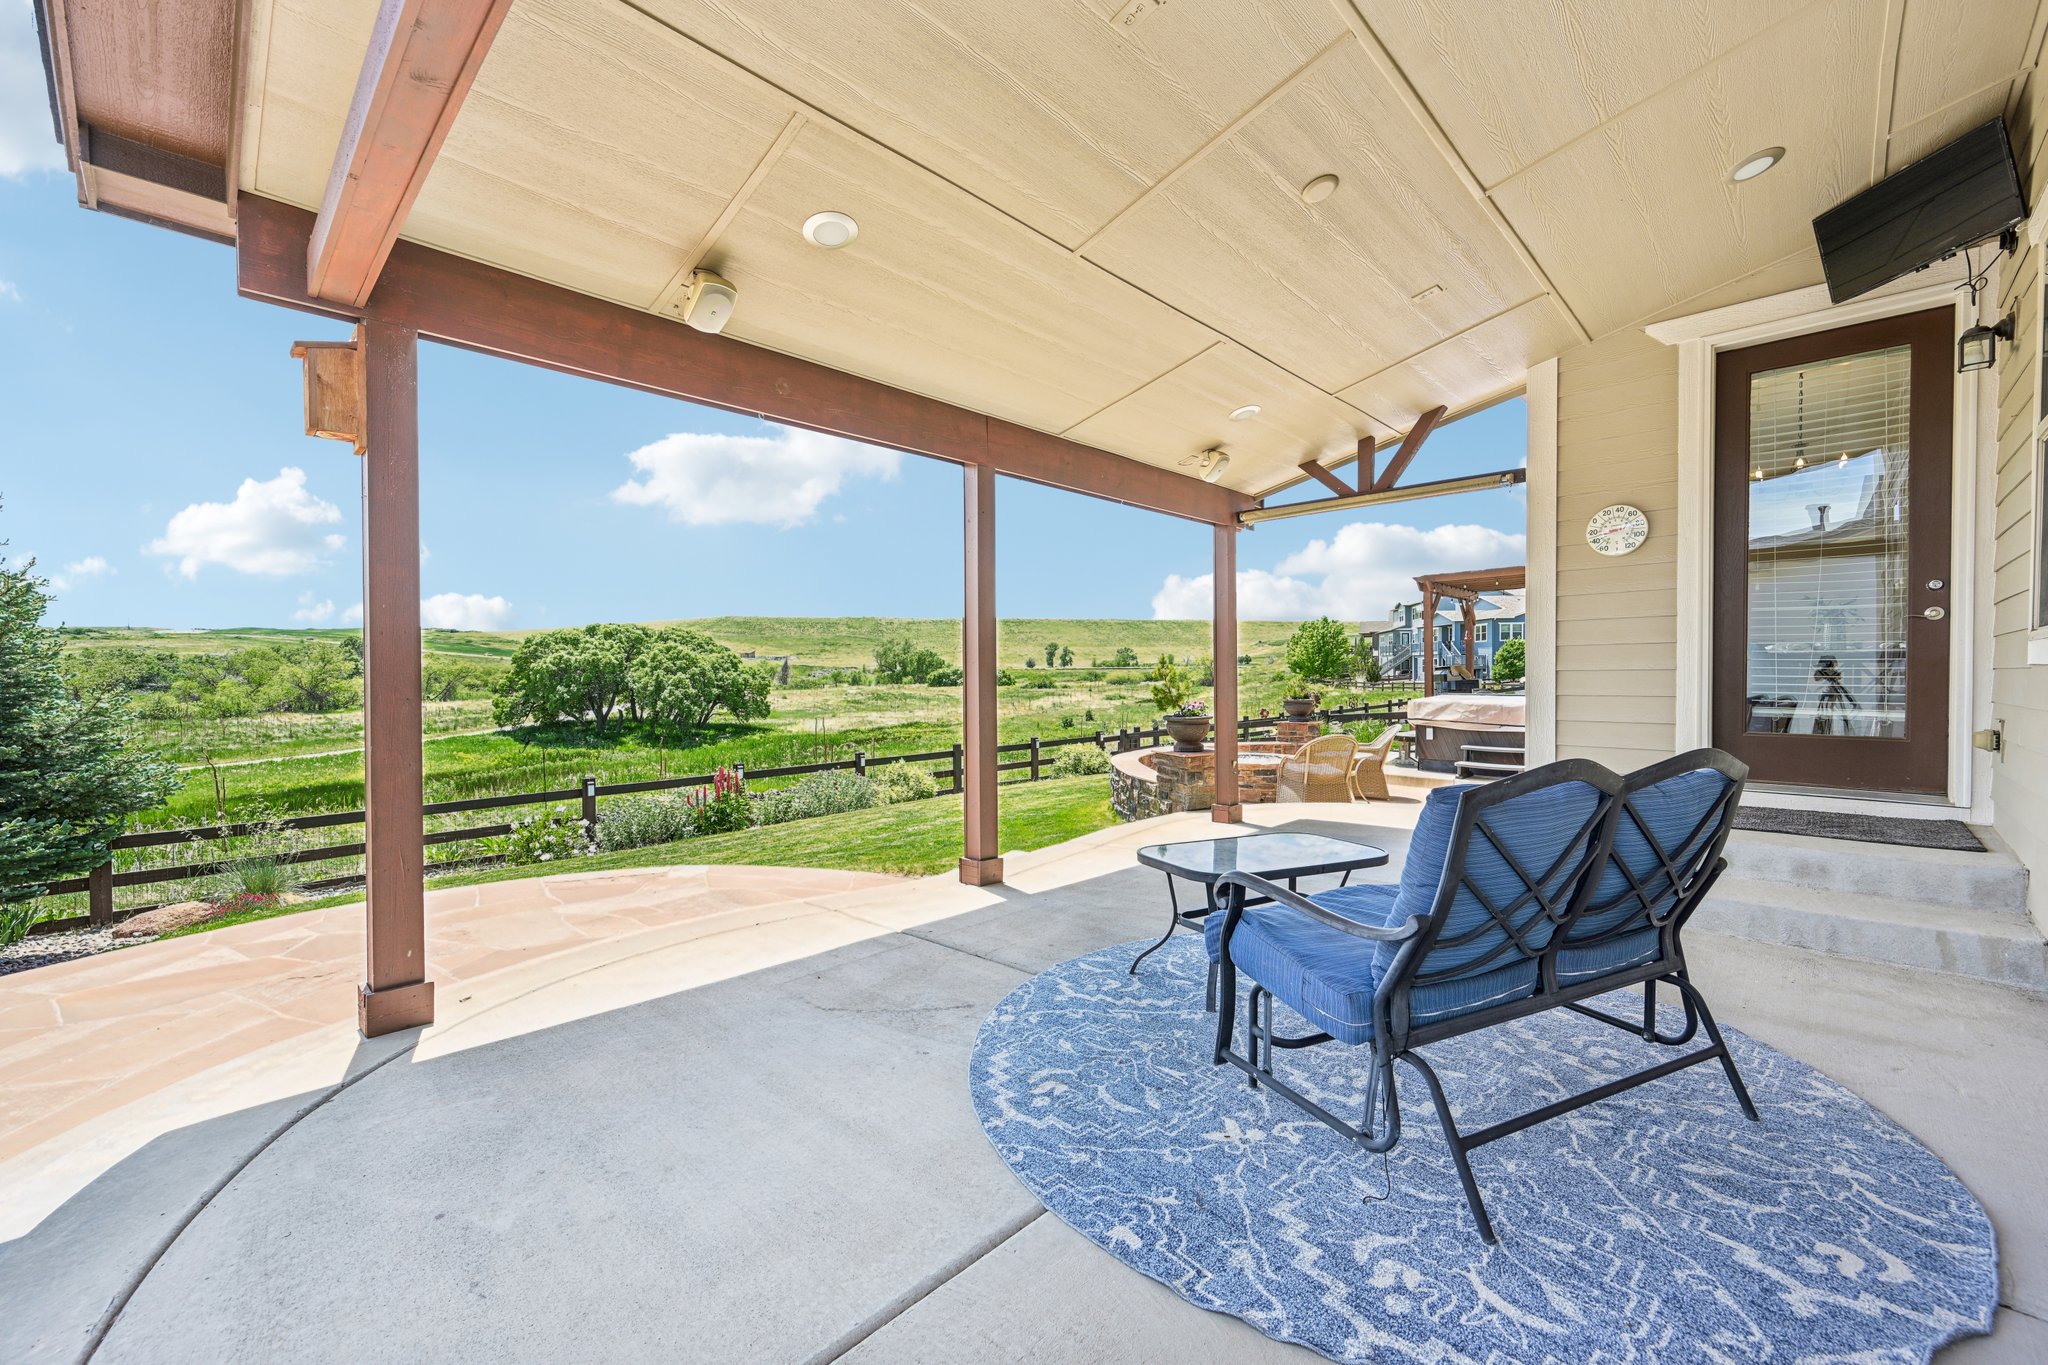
point(1995, 945)
point(1514, 749)
point(1990, 881)
point(1467, 768)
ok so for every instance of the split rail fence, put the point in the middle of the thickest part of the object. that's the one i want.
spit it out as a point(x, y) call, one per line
point(1031, 758)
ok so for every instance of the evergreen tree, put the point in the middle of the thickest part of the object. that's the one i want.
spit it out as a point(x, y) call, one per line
point(68, 779)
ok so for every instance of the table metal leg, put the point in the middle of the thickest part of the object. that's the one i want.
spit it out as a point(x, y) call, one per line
point(1172, 923)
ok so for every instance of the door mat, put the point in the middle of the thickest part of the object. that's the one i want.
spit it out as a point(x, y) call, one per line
point(1953, 835)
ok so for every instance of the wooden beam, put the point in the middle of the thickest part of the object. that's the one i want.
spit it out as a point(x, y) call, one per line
point(1368, 452)
point(1315, 470)
point(423, 58)
point(981, 862)
point(1411, 445)
point(1227, 808)
point(481, 308)
point(396, 993)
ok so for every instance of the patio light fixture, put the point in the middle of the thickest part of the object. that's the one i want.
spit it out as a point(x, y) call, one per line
point(1977, 348)
point(1756, 163)
point(830, 229)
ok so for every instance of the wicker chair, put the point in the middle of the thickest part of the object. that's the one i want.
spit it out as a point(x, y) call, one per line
point(1369, 770)
point(1319, 770)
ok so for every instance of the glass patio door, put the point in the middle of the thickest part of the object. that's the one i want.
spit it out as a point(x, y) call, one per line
point(1831, 564)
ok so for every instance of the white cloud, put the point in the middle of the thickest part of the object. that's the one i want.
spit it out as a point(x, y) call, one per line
point(10, 291)
point(271, 528)
point(92, 566)
point(352, 616)
point(464, 611)
point(313, 612)
point(1356, 575)
point(28, 135)
point(779, 480)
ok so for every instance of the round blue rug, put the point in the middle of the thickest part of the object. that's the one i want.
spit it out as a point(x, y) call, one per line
point(1656, 1225)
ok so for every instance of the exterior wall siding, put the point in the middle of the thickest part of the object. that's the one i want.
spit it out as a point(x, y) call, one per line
point(2019, 690)
point(1617, 650)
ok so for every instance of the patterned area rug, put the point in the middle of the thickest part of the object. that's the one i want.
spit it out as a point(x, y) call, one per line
point(1656, 1225)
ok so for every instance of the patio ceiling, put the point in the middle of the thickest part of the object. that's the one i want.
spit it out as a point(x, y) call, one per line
point(1085, 217)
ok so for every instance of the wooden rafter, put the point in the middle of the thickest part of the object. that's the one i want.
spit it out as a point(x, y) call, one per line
point(423, 57)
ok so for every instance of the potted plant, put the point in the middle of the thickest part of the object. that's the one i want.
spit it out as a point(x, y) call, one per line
point(1301, 706)
point(1189, 727)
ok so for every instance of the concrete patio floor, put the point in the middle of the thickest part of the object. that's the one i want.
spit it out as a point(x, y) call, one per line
point(745, 1134)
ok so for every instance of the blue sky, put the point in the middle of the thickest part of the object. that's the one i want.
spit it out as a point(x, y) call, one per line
point(151, 458)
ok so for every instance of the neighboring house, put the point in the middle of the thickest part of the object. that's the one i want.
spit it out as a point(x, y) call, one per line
point(1500, 616)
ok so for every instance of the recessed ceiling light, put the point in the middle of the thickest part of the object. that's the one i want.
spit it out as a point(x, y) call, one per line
point(1319, 189)
point(830, 229)
point(1756, 163)
point(1245, 413)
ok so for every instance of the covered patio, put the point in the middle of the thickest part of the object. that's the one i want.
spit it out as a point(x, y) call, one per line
point(746, 1136)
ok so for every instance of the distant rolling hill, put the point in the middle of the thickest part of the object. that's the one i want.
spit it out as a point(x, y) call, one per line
point(838, 641)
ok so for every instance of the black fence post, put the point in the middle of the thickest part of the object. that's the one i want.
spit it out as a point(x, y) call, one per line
point(860, 764)
point(590, 808)
point(99, 894)
point(959, 769)
point(1034, 758)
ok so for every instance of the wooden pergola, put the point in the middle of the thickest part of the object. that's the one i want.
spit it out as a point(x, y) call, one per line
point(1465, 589)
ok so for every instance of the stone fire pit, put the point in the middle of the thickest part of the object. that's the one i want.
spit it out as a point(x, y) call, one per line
point(1148, 782)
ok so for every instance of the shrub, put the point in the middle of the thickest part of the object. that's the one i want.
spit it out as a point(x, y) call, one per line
point(818, 794)
point(1171, 686)
point(255, 863)
point(903, 782)
point(946, 677)
point(638, 821)
point(552, 836)
point(1082, 760)
point(1510, 661)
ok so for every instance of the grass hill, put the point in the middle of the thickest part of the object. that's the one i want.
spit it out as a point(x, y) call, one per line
point(836, 641)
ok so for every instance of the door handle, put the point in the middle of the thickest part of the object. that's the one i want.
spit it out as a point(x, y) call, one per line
point(1934, 613)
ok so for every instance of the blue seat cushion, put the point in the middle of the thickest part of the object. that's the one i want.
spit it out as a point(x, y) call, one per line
point(1368, 903)
point(1326, 975)
point(1676, 811)
point(1613, 955)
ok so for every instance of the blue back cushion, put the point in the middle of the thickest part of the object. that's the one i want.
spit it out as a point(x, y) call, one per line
point(1538, 828)
point(1676, 811)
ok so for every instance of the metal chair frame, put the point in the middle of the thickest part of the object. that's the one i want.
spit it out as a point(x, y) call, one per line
point(1574, 876)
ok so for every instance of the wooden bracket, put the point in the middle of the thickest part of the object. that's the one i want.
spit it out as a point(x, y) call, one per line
point(1314, 469)
point(335, 402)
point(1410, 447)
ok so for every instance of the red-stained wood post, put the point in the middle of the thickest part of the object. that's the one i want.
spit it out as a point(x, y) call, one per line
point(980, 864)
point(1223, 623)
point(396, 993)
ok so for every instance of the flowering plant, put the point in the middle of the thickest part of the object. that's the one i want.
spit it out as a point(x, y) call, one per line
point(1193, 706)
point(551, 836)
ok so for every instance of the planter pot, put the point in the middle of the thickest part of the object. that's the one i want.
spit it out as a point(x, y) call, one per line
point(1299, 708)
point(1189, 733)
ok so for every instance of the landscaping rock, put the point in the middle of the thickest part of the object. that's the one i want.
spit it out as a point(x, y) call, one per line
point(165, 918)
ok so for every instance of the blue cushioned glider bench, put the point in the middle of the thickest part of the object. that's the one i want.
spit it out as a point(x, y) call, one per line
point(1529, 894)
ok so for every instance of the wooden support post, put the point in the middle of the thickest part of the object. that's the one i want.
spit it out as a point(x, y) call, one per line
point(1429, 642)
point(396, 993)
point(980, 864)
point(99, 895)
point(1467, 611)
point(1226, 809)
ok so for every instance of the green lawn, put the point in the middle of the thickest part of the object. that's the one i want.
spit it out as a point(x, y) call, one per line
point(914, 838)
